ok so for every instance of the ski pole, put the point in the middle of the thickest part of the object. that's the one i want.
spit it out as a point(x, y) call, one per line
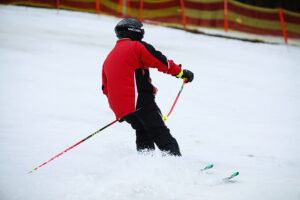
point(165, 118)
point(71, 147)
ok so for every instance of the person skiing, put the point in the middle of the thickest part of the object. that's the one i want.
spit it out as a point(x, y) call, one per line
point(127, 84)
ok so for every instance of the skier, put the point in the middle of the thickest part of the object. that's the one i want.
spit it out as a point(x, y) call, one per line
point(126, 83)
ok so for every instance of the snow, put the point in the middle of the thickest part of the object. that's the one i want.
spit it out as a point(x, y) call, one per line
point(240, 113)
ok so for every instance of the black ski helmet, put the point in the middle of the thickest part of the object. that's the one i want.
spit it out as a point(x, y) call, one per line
point(129, 28)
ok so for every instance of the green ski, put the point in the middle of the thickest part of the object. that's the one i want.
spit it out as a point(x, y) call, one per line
point(231, 176)
point(207, 167)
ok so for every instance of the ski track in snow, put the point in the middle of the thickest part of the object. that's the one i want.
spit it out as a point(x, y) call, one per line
point(240, 113)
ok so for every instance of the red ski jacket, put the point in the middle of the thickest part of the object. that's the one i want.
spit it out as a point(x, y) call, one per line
point(125, 74)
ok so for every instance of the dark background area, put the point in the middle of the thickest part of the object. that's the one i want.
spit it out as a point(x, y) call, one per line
point(292, 5)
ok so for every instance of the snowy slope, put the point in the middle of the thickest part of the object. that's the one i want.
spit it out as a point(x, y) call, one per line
point(241, 113)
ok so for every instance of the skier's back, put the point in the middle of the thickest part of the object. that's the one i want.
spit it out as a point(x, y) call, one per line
point(127, 84)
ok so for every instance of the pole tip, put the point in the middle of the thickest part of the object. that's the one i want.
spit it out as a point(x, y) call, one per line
point(165, 118)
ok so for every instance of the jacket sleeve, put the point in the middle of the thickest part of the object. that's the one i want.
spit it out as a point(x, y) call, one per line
point(150, 57)
point(104, 83)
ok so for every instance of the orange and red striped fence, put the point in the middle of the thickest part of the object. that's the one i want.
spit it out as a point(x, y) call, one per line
point(227, 15)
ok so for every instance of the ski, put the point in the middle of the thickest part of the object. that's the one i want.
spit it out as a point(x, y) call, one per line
point(231, 176)
point(226, 179)
point(207, 167)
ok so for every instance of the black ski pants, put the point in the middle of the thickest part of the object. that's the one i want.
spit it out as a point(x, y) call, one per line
point(151, 129)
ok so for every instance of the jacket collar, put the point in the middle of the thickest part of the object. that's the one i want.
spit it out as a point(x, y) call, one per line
point(123, 39)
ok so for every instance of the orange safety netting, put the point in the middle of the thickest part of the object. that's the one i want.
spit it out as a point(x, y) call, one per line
point(188, 14)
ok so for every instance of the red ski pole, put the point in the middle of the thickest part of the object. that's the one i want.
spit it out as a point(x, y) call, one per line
point(175, 101)
point(71, 147)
